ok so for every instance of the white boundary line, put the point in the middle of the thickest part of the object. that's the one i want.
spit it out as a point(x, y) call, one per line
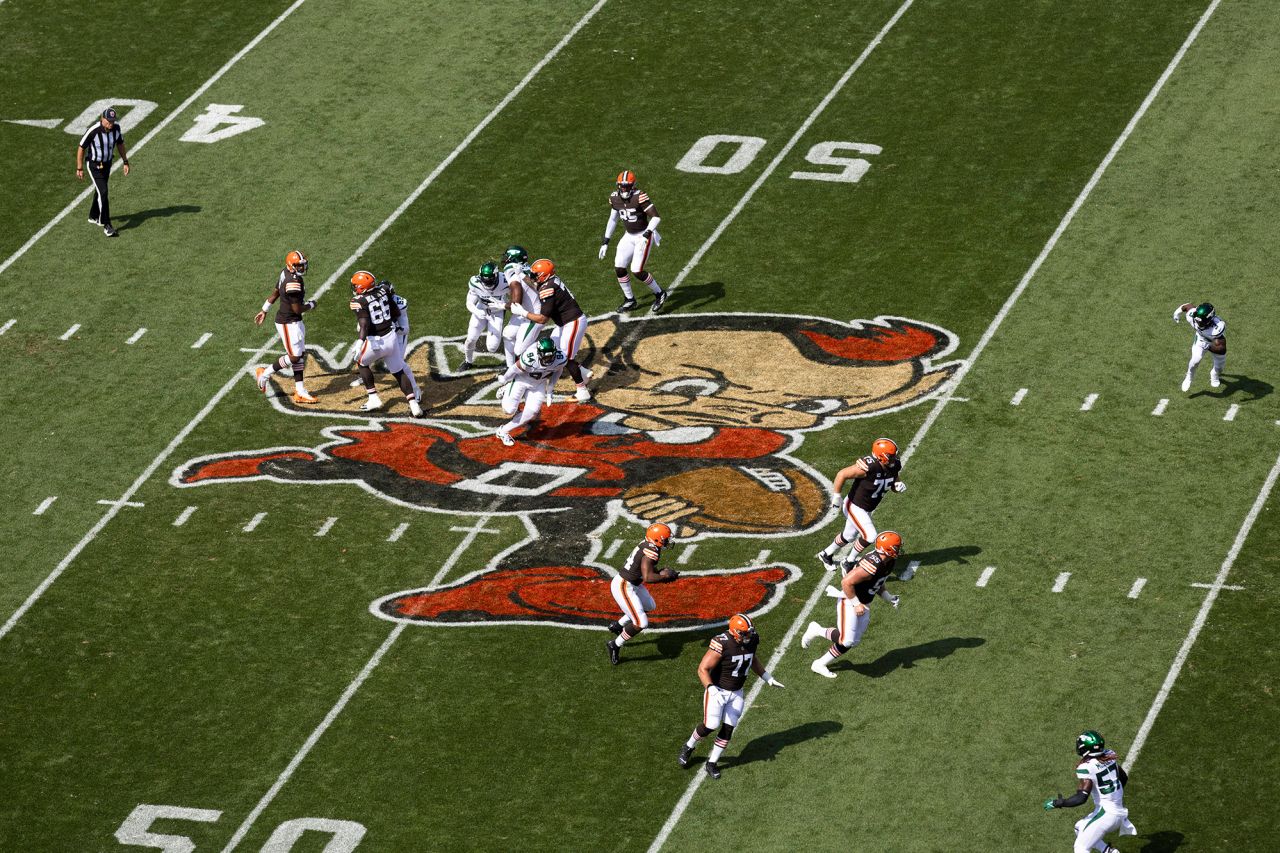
point(257, 354)
point(965, 366)
point(135, 148)
point(1210, 597)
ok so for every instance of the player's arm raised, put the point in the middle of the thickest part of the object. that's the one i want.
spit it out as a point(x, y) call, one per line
point(1181, 311)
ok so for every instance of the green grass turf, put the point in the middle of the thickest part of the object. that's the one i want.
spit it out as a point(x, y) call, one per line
point(186, 665)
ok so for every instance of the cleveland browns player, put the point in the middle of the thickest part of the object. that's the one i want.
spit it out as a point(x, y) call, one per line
point(377, 315)
point(872, 476)
point(723, 671)
point(640, 220)
point(290, 292)
point(861, 583)
point(628, 586)
point(561, 308)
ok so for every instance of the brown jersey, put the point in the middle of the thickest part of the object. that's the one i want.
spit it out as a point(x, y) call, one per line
point(868, 490)
point(558, 304)
point(735, 660)
point(632, 571)
point(376, 312)
point(635, 212)
point(880, 566)
point(291, 291)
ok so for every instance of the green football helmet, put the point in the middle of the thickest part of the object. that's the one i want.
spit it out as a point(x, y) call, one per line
point(489, 274)
point(1090, 743)
point(546, 351)
point(1203, 315)
point(516, 255)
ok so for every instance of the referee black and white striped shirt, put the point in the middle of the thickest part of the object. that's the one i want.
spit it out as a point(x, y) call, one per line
point(99, 143)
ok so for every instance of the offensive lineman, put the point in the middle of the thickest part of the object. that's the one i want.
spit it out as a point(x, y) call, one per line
point(376, 318)
point(861, 583)
point(530, 381)
point(872, 476)
point(487, 294)
point(290, 291)
point(640, 220)
point(1100, 776)
point(640, 568)
point(559, 306)
point(1211, 335)
point(723, 671)
point(520, 332)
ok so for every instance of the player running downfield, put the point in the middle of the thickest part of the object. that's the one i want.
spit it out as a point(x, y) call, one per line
point(640, 234)
point(529, 381)
point(1101, 777)
point(723, 672)
point(560, 308)
point(376, 316)
point(861, 583)
point(487, 295)
point(290, 291)
point(628, 586)
point(871, 477)
point(1211, 335)
point(520, 332)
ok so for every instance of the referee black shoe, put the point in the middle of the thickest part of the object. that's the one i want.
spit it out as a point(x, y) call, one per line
point(109, 231)
point(628, 305)
point(658, 302)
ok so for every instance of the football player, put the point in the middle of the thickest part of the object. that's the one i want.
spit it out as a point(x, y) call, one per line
point(861, 583)
point(376, 317)
point(530, 381)
point(628, 586)
point(487, 294)
point(871, 477)
point(402, 334)
point(290, 292)
point(520, 332)
point(561, 308)
point(1100, 776)
point(640, 220)
point(723, 671)
point(1211, 335)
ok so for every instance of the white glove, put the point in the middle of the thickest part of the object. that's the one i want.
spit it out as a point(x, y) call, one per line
point(836, 500)
point(899, 487)
point(604, 250)
point(773, 682)
point(1177, 315)
point(309, 305)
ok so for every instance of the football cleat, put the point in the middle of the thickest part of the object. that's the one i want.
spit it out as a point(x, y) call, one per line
point(109, 231)
point(813, 632)
point(357, 382)
point(260, 376)
point(1202, 317)
point(628, 305)
point(506, 438)
point(658, 534)
point(658, 302)
point(821, 668)
point(686, 756)
point(741, 627)
point(582, 395)
point(613, 652)
point(362, 282)
point(372, 404)
point(626, 184)
point(466, 365)
point(94, 221)
point(713, 770)
point(1214, 381)
point(516, 255)
point(488, 274)
point(304, 398)
point(1186, 383)
point(884, 450)
point(542, 270)
point(826, 560)
point(415, 408)
point(1090, 743)
point(546, 351)
point(297, 262)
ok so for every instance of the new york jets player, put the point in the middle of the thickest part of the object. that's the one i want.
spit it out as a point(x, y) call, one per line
point(530, 381)
point(487, 293)
point(1211, 335)
point(520, 332)
point(1100, 775)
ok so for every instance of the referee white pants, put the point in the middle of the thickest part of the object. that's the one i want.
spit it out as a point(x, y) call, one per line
point(633, 599)
point(721, 706)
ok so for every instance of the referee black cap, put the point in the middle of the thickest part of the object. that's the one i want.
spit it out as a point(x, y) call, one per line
point(109, 114)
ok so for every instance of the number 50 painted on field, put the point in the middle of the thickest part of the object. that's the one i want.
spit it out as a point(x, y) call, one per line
point(136, 831)
point(851, 169)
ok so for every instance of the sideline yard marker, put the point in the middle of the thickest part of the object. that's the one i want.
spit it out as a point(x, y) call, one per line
point(66, 336)
point(1061, 582)
point(985, 577)
point(183, 516)
point(1231, 412)
point(1160, 407)
point(254, 522)
point(327, 526)
point(44, 505)
point(134, 338)
point(1018, 397)
point(398, 532)
point(1136, 589)
point(1088, 402)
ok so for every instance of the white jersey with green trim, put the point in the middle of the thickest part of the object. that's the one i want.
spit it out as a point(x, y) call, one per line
point(1104, 772)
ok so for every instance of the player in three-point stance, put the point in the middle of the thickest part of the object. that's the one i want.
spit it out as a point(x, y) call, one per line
point(529, 381)
point(560, 308)
point(376, 318)
point(487, 294)
point(861, 583)
point(871, 477)
point(1100, 776)
point(520, 333)
point(640, 223)
point(628, 586)
point(1211, 335)
point(723, 671)
point(290, 292)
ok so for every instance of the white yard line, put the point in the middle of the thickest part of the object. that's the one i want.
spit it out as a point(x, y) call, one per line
point(7, 326)
point(985, 577)
point(202, 340)
point(1018, 397)
point(1231, 412)
point(254, 522)
point(136, 336)
point(1227, 586)
point(135, 147)
point(1219, 583)
point(238, 376)
point(327, 526)
point(1136, 589)
point(66, 336)
point(183, 516)
point(1088, 402)
point(1160, 407)
point(760, 559)
point(44, 505)
point(686, 554)
point(1061, 582)
point(398, 532)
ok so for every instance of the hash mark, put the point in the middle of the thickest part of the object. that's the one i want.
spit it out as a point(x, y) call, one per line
point(683, 559)
point(1017, 398)
point(612, 549)
point(398, 532)
point(910, 571)
point(204, 339)
point(328, 523)
point(45, 504)
point(66, 336)
point(1160, 407)
point(1088, 402)
point(254, 522)
point(986, 575)
point(1231, 412)
point(136, 504)
point(183, 516)
point(1061, 583)
point(760, 558)
point(7, 326)
point(1136, 589)
point(133, 339)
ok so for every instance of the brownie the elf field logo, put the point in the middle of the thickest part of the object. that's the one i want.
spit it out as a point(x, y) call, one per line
point(694, 421)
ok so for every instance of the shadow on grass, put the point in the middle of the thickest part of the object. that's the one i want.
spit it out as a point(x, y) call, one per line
point(695, 295)
point(667, 646)
point(1234, 383)
point(767, 747)
point(907, 657)
point(940, 556)
point(133, 220)
point(1165, 841)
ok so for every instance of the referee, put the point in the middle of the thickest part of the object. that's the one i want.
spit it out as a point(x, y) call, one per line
point(99, 143)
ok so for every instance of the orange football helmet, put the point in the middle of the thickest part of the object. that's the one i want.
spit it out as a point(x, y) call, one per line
point(889, 543)
point(884, 450)
point(542, 270)
point(658, 534)
point(626, 183)
point(741, 627)
point(295, 261)
point(362, 281)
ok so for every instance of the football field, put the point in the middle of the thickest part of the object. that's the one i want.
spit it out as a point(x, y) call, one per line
point(232, 622)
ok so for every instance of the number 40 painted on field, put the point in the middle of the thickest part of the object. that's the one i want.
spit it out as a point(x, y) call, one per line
point(136, 831)
point(851, 169)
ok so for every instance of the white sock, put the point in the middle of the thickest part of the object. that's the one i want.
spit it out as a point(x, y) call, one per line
point(625, 284)
point(654, 287)
point(693, 740)
point(716, 750)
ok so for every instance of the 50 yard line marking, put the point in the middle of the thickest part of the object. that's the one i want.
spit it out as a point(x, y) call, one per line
point(258, 353)
point(949, 389)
